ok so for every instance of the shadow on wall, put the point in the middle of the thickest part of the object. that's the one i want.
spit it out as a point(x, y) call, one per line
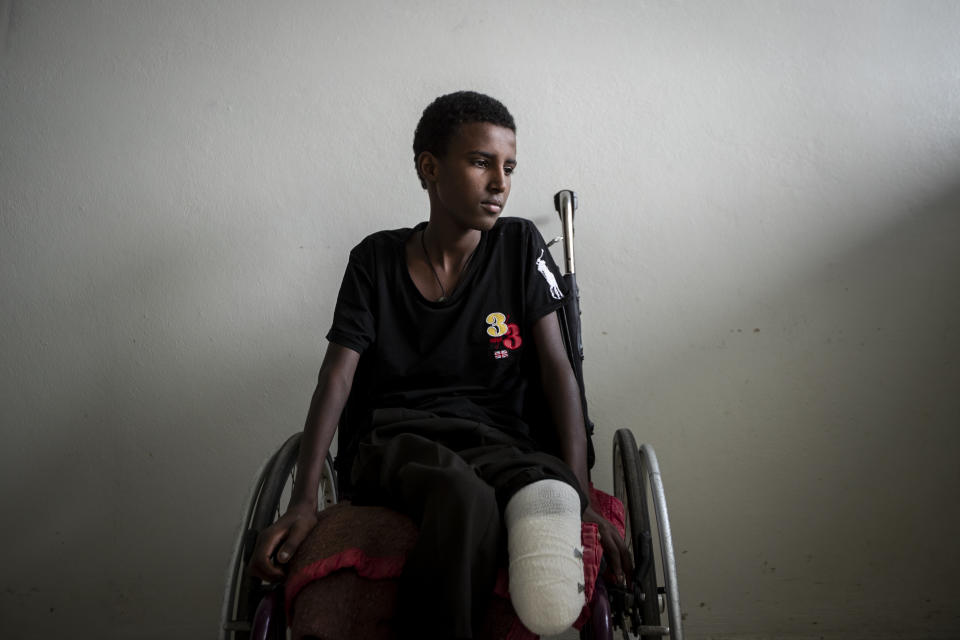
point(821, 443)
point(154, 383)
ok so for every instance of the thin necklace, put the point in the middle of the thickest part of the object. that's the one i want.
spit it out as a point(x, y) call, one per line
point(426, 256)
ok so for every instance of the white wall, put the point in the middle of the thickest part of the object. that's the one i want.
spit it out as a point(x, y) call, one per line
point(769, 242)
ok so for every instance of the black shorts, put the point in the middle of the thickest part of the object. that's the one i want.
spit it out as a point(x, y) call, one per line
point(453, 477)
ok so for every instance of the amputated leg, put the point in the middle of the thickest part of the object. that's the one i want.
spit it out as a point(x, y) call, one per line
point(546, 555)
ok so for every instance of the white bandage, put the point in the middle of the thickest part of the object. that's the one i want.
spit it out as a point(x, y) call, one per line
point(546, 556)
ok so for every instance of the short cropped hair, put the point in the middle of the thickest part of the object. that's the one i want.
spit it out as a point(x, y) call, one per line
point(444, 115)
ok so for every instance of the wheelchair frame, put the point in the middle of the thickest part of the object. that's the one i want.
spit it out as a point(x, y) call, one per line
point(253, 610)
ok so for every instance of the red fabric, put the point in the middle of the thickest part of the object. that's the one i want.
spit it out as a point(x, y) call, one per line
point(610, 508)
point(356, 559)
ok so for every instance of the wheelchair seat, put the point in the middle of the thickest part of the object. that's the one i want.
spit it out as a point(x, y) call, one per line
point(353, 558)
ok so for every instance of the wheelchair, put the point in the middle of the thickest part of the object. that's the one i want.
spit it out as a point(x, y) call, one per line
point(648, 606)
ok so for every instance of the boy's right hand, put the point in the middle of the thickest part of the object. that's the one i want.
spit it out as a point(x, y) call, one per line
point(277, 543)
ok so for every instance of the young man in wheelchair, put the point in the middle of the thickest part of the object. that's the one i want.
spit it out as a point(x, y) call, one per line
point(442, 317)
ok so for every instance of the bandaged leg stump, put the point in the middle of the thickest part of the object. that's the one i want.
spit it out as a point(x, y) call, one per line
point(546, 557)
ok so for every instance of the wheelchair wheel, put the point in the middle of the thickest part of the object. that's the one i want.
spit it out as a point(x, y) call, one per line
point(268, 500)
point(636, 479)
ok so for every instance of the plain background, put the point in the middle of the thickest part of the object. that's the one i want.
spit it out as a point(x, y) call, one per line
point(769, 257)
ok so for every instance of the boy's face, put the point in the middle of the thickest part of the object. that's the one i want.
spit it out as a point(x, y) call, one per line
point(471, 182)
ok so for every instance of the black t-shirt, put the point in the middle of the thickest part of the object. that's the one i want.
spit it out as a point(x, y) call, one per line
point(463, 357)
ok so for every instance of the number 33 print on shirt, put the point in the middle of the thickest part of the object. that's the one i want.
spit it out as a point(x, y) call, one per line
point(504, 335)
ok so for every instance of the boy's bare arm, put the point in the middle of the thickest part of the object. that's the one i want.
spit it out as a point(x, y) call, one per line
point(563, 395)
point(286, 534)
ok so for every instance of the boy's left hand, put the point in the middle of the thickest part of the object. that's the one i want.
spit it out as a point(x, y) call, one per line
point(614, 548)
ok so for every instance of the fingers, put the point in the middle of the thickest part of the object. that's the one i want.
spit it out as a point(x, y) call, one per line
point(294, 538)
point(282, 538)
point(620, 550)
point(261, 563)
point(613, 550)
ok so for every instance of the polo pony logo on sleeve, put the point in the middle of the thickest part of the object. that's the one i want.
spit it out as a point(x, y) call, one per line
point(548, 276)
